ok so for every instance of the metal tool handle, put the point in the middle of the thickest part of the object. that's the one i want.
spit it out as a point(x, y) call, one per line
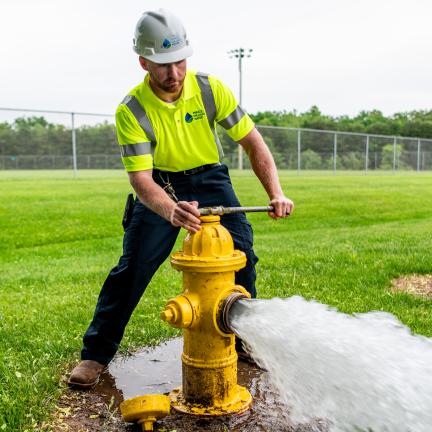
point(219, 210)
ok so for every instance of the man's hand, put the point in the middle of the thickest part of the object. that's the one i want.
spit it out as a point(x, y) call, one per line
point(182, 214)
point(282, 206)
point(186, 215)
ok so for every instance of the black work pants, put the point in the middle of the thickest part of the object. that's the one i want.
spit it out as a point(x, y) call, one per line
point(148, 240)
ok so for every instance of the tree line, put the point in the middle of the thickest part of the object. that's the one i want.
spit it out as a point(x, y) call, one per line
point(410, 124)
point(36, 136)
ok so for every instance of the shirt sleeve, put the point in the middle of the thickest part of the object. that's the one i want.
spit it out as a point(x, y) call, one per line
point(229, 114)
point(135, 147)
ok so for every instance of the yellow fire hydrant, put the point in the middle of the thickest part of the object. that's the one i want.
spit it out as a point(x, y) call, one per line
point(208, 262)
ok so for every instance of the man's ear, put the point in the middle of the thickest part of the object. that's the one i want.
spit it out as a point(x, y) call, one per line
point(143, 63)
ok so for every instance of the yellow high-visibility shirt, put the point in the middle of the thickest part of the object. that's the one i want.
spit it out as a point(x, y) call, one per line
point(183, 136)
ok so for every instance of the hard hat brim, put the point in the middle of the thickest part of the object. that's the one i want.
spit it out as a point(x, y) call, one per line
point(170, 57)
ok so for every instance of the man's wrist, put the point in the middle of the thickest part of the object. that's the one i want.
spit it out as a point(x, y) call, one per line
point(276, 196)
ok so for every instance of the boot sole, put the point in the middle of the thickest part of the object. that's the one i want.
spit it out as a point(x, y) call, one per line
point(75, 384)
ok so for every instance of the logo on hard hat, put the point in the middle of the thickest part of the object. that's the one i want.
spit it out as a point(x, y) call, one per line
point(172, 41)
point(166, 43)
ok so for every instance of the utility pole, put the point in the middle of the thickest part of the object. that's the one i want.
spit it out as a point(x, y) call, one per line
point(240, 53)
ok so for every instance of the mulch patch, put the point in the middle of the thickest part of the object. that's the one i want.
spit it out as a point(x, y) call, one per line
point(416, 285)
point(86, 411)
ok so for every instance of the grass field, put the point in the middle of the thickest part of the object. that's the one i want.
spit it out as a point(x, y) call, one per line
point(59, 237)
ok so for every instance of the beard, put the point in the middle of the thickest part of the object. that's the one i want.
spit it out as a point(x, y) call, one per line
point(169, 85)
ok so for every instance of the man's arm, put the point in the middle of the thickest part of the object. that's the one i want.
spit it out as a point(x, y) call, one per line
point(183, 214)
point(265, 169)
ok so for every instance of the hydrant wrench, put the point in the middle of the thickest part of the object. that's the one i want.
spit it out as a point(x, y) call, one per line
point(220, 210)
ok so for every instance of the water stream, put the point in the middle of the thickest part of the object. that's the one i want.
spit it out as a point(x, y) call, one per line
point(362, 372)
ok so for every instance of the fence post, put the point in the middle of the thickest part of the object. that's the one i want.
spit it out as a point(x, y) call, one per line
point(74, 161)
point(298, 151)
point(418, 155)
point(334, 153)
point(394, 154)
point(367, 154)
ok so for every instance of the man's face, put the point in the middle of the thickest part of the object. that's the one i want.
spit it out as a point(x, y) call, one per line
point(167, 77)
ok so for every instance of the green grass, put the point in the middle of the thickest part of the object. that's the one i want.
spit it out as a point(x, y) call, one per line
point(348, 238)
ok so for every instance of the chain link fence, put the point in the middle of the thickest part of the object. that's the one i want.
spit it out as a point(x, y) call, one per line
point(292, 149)
point(307, 149)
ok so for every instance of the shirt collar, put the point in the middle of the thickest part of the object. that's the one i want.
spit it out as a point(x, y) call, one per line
point(189, 91)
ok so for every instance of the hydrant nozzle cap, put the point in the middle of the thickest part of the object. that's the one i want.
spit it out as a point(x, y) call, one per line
point(145, 409)
point(178, 312)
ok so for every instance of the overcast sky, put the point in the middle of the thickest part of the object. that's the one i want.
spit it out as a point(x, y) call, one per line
point(342, 55)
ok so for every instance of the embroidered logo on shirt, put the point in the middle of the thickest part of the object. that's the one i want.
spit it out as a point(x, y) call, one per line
point(196, 115)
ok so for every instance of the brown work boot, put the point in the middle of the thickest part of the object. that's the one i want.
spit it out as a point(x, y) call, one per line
point(86, 374)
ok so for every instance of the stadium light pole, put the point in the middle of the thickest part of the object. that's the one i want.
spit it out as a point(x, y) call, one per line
point(240, 53)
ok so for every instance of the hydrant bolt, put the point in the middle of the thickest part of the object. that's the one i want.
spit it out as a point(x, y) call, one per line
point(168, 315)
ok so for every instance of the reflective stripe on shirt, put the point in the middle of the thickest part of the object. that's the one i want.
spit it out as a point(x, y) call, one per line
point(233, 118)
point(137, 149)
point(209, 107)
point(139, 112)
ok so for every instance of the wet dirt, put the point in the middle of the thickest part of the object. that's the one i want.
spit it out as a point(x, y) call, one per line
point(416, 285)
point(158, 370)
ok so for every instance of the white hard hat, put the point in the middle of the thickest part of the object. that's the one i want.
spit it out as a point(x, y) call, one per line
point(161, 38)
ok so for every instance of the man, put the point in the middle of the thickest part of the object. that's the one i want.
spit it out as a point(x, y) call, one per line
point(166, 132)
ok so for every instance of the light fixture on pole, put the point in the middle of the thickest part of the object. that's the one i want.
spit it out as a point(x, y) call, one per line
point(240, 53)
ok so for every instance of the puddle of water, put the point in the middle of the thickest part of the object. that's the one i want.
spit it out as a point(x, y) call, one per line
point(158, 370)
point(154, 370)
